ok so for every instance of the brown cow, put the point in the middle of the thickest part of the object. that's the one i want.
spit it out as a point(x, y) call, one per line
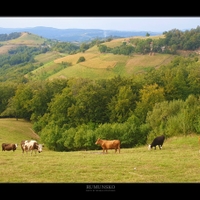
point(109, 144)
point(9, 147)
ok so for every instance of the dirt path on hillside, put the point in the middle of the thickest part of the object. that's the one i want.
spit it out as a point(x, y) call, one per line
point(166, 61)
point(36, 135)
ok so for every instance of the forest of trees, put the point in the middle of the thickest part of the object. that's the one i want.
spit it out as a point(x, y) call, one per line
point(20, 55)
point(70, 114)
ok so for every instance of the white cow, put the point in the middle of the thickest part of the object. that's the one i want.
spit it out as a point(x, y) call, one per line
point(31, 145)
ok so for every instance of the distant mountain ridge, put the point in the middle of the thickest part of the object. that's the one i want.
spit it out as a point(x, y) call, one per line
point(76, 35)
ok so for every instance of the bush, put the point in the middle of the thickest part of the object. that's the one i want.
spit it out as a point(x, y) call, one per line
point(81, 59)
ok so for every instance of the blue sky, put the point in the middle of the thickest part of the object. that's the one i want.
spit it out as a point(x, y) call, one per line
point(154, 24)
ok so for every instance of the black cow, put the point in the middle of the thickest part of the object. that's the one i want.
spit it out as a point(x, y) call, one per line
point(157, 141)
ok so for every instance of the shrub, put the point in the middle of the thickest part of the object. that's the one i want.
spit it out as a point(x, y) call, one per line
point(81, 59)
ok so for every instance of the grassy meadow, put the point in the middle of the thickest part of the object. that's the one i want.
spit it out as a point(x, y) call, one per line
point(26, 39)
point(107, 65)
point(177, 162)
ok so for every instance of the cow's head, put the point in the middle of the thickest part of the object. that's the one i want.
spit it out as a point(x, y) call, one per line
point(40, 148)
point(98, 141)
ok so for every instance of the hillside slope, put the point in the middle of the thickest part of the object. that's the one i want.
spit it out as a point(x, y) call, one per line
point(27, 39)
point(52, 64)
point(13, 131)
point(100, 65)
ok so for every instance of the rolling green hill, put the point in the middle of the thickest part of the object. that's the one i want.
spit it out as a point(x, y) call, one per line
point(27, 39)
point(13, 131)
point(52, 64)
point(99, 65)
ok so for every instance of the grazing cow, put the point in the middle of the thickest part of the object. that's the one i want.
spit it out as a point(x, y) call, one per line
point(109, 144)
point(9, 147)
point(31, 145)
point(157, 141)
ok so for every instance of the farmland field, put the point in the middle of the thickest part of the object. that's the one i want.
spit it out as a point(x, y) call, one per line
point(177, 162)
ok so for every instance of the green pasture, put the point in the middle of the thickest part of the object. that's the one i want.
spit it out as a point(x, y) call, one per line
point(47, 57)
point(27, 39)
point(81, 71)
point(177, 162)
point(107, 65)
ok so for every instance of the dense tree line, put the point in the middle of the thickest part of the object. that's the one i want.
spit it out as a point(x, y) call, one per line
point(65, 47)
point(186, 40)
point(122, 49)
point(11, 36)
point(172, 41)
point(20, 55)
point(69, 114)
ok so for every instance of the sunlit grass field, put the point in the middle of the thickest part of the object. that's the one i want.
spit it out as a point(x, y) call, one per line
point(177, 162)
point(100, 66)
point(27, 39)
point(47, 57)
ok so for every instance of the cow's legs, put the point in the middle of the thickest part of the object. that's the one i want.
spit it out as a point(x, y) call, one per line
point(105, 150)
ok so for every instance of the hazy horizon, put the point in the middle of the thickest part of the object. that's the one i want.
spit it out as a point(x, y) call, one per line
point(153, 24)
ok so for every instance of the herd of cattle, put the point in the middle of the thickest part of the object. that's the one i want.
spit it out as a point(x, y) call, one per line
point(32, 145)
point(26, 146)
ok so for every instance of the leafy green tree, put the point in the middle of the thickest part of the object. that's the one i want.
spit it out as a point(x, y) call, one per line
point(90, 104)
point(58, 107)
point(51, 135)
point(68, 137)
point(174, 117)
point(102, 48)
point(122, 105)
point(21, 102)
point(193, 78)
point(81, 59)
point(158, 117)
point(84, 46)
point(149, 95)
point(7, 91)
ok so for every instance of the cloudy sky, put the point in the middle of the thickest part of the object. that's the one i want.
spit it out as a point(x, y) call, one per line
point(154, 24)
